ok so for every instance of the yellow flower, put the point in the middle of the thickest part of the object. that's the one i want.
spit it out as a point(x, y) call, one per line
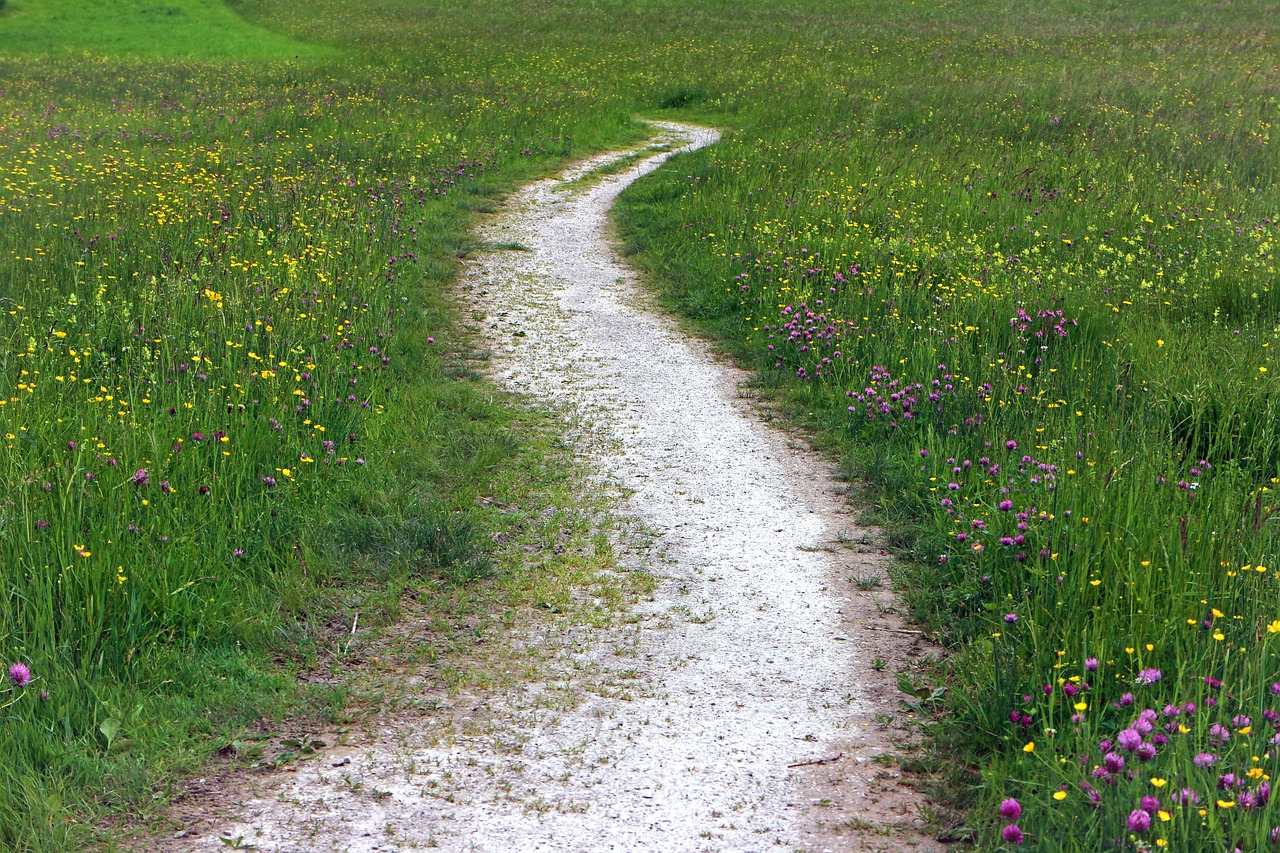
point(1274, 627)
point(1082, 706)
point(1226, 804)
point(1247, 730)
point(1218, 635)
point(1160, 842)
point(1164, 816)
point(1059, 795)
point(1030, 747)
point(1157, 782)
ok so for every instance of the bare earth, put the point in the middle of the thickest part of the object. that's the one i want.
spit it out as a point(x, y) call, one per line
point(680, 726)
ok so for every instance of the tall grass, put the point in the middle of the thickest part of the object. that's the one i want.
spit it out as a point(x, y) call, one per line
point(232, 397)
point(1038, 277)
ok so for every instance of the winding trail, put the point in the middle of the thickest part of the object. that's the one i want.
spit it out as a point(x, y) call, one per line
point(753, 656)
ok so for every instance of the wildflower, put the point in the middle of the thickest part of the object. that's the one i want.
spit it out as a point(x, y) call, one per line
point(1150, 804)
point(1139, 821)
point(1006, 505)
point(1148, 677)
point(140, 477)
point(20, 674)
point(1012, 834)
point(1010, 809)
point(1091, 665)
point(1011, 618)
point(1204, 759)
point(1129, 739)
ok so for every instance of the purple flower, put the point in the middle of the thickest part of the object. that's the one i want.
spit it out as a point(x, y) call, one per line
point(1011, 618)
point(1011, 834)
point(140, 477)
point(1010, 809)
point(1129, 739)
point(1011, 445)
point(1091, 665)
point(1113, 762)
point(1126, 700)
point(1186, 796)
point(1006, 505)
point(1204, 759)
point(1139, 821)
point(20, 674)
point(239, 552)
point(1148, 677)
point(1150, 805)
point(1145, 751)
point(1219, 734)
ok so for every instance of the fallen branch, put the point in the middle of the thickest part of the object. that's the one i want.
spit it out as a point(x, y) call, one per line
point(893, 630)
point(818, 761)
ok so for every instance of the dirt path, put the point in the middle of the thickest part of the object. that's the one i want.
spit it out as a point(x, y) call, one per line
point(685, 720)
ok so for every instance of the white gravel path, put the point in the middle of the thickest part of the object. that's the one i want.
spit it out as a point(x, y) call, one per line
point(751, 656)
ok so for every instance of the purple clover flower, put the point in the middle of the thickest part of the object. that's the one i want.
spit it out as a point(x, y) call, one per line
point(1129, 740)
point(20, 674)
point(1148, 677)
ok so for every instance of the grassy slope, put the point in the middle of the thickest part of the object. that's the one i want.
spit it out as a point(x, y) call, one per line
point(203, 29)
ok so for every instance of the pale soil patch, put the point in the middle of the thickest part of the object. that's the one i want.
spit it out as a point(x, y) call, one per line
point(704, 717)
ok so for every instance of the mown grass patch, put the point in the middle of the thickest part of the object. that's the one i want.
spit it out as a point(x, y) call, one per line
point(201, 29)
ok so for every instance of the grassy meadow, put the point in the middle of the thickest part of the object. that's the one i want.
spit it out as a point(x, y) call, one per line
point(1014, 263)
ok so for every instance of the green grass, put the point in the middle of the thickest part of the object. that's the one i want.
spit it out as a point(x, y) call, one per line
point(201, 29)
point(907, 185)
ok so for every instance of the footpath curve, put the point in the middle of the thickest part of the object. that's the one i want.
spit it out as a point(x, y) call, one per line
point(751, 665)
